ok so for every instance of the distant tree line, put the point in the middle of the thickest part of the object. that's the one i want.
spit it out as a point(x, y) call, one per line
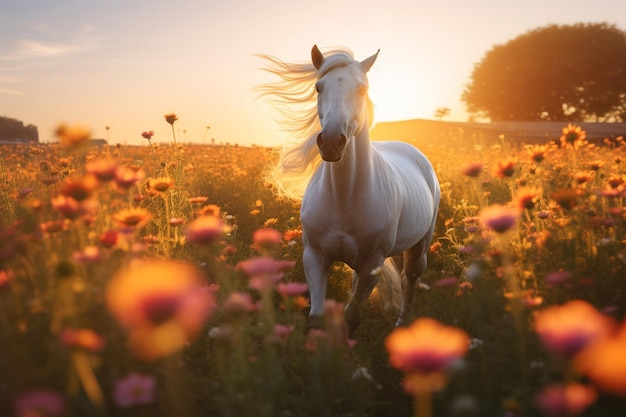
point(13, 130)
point(560, 73)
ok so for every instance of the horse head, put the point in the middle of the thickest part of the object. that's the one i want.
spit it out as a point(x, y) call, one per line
point(341, 102)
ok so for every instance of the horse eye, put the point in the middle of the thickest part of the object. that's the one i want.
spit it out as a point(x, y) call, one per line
point(318, 88)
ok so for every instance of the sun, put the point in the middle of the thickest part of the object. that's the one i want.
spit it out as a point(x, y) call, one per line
point(397, 95)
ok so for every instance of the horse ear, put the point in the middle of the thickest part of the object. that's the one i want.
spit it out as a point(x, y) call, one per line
point(317, 57)
point(367, 63)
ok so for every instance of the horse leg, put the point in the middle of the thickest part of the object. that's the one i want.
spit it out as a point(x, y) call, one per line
point(363, 282)
point(316, 273)
point(414, 267)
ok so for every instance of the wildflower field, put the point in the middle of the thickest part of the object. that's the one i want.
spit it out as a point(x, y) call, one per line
point(166, 280)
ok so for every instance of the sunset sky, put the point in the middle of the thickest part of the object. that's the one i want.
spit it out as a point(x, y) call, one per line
point(126, 63)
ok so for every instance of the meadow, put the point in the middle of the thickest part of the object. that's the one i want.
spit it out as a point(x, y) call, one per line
point(166, 280)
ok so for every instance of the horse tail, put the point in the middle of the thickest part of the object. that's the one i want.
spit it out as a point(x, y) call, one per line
point(389, 288)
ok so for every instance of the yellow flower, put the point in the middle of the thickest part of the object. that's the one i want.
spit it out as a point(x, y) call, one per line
point(573, 137)
point(72, 135)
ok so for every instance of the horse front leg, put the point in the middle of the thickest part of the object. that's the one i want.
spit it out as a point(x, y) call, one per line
point(414, 267)
point(363, 282)
point(316, 274)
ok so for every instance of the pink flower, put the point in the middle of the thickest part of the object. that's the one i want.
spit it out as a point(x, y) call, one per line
point(134, 389)
point(499, 218)
point(126, 178)
point(264, 272)
point(205, 230)
point(67, 206)
point(267, 239)
point(280, 334)
point(568, 328)
point(426, 346)
point(162, 304)
point(263, 265)
point(291, 289)
point(39, 402)
point(238, 304)
point(558, 277)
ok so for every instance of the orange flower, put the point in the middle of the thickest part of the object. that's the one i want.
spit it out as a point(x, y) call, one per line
point(573, 137)
point(197, 200)
point(604, 363)
point(162, 303)
point(537, 152)
point(133, 217)
point(426, 346)
point(81, 188)
point(505, 168)
point(582, 177)
point(292, 234)
point(568, 328)
point(472, 169)
point(209, 209)
point(102, 169)
point(160, 184)
point(566, 198)
point(527, 198)
point(85, 339)
point(596, 164)
point(565, 400)
point(5, 279)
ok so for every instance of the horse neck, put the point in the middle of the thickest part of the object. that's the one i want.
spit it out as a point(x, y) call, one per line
point(353, 173)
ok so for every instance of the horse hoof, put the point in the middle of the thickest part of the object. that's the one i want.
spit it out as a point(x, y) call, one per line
point(400, 322)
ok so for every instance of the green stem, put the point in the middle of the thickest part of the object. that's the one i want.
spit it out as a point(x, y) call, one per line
point(423, 404)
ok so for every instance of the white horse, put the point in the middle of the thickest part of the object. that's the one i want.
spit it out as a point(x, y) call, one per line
point(363, 201)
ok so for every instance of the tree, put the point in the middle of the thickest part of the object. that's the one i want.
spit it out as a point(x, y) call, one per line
point(442, 112)
point(565, 73)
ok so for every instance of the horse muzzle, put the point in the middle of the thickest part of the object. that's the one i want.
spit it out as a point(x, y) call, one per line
point(332, 148)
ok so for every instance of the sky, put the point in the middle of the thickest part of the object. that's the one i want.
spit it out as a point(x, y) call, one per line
point(124, 64)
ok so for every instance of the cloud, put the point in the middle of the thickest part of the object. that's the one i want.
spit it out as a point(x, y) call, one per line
point(29, 48)
point(11, 92)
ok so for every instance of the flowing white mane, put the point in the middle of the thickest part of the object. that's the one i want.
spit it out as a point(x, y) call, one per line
point(296, 99)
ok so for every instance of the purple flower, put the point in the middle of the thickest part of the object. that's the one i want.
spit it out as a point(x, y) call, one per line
point(134, 389)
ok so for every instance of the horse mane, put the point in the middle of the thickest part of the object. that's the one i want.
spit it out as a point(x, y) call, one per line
point(295, 98)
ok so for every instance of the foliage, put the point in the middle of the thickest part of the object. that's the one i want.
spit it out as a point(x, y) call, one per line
point(520, 229)
point(562, 73)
